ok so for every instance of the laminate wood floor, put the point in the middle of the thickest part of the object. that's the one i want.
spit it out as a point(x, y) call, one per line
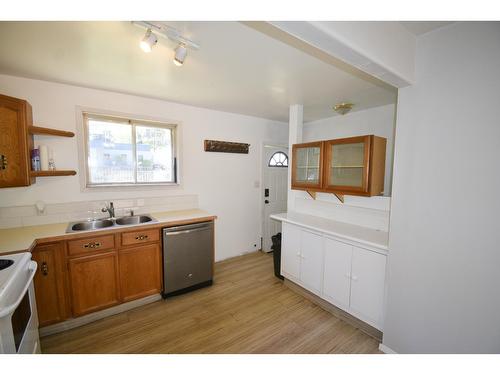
point(247, 310)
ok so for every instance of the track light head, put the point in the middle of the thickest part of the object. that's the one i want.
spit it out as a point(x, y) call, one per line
point(180, 54)
point(148, 41)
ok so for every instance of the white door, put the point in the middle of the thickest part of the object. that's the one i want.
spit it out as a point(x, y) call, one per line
point(290, 252)
point(367, 285)
point(274, 190)
point(337, 273)
point(311, 264)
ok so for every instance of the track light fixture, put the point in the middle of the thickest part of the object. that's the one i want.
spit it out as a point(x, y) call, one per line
point(148, 41)
point(166, 31)
point(180, 54)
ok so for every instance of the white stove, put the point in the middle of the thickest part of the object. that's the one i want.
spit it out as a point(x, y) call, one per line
point(18, 315)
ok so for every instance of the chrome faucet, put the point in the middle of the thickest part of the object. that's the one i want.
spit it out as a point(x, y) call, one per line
point(110, 209)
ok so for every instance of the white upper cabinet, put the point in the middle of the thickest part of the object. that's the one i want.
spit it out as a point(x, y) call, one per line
point(368, 284)
point(337, 272)
point(311, 261)
point(290, 251)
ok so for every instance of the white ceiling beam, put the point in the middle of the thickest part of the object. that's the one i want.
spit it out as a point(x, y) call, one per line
point(385, 50)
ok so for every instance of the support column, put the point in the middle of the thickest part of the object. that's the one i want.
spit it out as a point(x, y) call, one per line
point(295, 122)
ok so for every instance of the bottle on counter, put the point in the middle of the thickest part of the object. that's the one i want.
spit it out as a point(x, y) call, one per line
point(35, 159)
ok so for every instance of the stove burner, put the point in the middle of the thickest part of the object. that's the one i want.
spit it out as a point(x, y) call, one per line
point(4, 263)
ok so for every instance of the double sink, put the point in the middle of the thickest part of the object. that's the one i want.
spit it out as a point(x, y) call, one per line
point(107, 223)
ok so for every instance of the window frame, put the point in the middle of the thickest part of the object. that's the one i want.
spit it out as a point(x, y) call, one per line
point(278, 166)
point(134, 121)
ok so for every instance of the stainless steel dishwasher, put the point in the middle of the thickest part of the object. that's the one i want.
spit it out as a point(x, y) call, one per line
point(188, 256)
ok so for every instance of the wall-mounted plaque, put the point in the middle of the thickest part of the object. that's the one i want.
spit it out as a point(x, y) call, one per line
point(221, 146)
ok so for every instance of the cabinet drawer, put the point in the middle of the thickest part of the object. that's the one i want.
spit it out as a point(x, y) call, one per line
point(91, 244)
point(140, 237)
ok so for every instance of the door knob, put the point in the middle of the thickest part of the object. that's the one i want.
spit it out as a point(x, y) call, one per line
point(266, 201)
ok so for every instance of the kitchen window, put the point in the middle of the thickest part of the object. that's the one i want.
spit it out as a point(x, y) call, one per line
point(129, 152)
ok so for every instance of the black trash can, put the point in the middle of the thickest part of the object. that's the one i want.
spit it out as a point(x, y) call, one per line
point(277, 254)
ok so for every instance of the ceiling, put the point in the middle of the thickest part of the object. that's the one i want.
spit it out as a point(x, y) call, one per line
point(421, 27)
point(237, 68)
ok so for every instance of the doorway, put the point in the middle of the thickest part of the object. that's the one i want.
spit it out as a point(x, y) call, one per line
point(274, 189)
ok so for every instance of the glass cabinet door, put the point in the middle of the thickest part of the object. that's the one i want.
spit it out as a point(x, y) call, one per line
point(347, 163)
point(307, 168)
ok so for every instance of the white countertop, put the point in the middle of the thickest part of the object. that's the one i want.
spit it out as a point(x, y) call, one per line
point(365, 236)
point(25, 238)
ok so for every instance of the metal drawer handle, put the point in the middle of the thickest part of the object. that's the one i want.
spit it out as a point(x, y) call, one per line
point(142, 237)
point(44, 269)
point(3, 162)
point(92, 245)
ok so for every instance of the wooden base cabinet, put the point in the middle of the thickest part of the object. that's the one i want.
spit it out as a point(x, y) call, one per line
point(93, 282)
point(49, 283)
point(349, 277)
point(140, 271)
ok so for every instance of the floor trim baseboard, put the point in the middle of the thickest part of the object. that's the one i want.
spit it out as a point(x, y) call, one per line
point(386, 349)
point(82, 320)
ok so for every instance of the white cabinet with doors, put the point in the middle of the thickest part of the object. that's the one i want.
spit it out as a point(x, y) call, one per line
point(302, 257)
point(354, 280)
point(348, 276)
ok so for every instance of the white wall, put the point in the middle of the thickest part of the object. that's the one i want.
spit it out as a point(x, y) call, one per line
point(378, 121)
point(443, 266)
point(224, 183)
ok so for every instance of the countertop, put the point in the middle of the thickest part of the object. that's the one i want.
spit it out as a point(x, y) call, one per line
point(365, 236)
point(19, 239)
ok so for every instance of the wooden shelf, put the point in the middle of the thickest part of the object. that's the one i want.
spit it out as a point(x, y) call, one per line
point(48, 131)
point(51, 173)
point(347, 166)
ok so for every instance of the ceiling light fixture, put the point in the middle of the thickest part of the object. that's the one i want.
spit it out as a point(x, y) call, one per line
point(180, 54)
point(166, 31)
point(148, 41)
point(343, 108)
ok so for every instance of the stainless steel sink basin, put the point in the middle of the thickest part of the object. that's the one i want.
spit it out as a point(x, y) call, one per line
point(131, 220)
point(91, 225)
point(107, 223)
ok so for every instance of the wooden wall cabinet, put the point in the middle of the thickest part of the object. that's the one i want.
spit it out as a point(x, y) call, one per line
point(50, 284)
point(353, 166)
point(15, 142)
point(307, 172)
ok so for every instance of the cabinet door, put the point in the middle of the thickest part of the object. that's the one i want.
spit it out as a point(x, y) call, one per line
point(290, 251)
point(311, 265)
point(94, 282)
point(140, 271)
point(15, 142)
point(49, 284)
point(347, 164)
point(307, 165)
point(367, 286)
point(337, 273)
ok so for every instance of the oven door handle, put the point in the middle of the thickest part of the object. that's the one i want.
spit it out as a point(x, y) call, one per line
point(9, 309)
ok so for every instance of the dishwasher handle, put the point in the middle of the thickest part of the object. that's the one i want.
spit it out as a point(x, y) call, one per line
point(182, 229)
